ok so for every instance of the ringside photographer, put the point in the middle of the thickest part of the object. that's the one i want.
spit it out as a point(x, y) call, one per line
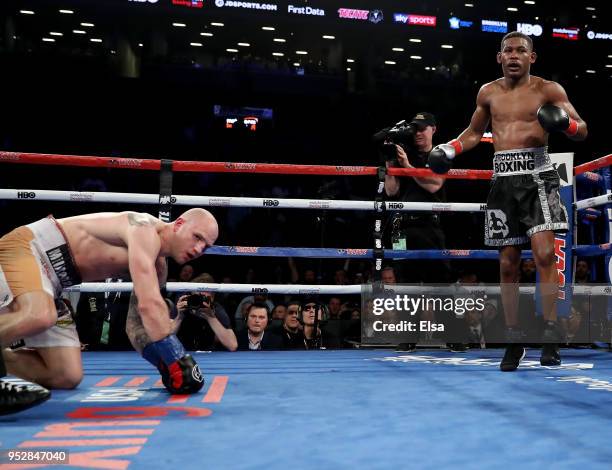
point(205, 324)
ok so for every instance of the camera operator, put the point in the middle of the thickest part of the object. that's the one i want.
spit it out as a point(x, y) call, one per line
point(416, 230)
point(205, 323)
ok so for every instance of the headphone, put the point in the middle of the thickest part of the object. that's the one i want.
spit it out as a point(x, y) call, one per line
point(318, 307)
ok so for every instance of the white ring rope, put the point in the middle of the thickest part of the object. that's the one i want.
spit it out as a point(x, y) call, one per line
point(310, 289)
point(221, 201)
point(594, 201)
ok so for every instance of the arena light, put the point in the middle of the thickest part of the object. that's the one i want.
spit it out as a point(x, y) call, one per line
point(296, 64)
point(590, 8)
point(301, 52)
point(195, 44)
point(279, 40)
point(414, 40)
point(67, 12)
point(398, 49)
point(217, 24)
point(327, 36)
point(390, 62)
point(590, 71)
point(87, 25)
point(229, 49)
point(427, 68)
point(278, 54)
point(446, 46)
point(350, 61)
point(48, 40)
point(140, 44)
point(208, 35)
point(26, 12)
point(179, 25)
point(348, 69)
point(55, 33)
point(609, 66)
point(512, 9)
point(470, 5)
point(95, 40)
point(529, 2)
point(268, 28)
point(79, 31)
point(416, 57)
point(244, 44)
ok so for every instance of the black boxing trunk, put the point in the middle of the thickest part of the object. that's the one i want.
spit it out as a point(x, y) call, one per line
point(524, 197)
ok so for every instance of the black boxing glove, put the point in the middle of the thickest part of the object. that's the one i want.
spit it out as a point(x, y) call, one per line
point(182, 377)
point(180, 373)
point(441, 157)
point(554, 119)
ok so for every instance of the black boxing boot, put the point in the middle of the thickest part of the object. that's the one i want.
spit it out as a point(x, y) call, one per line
point(17, 397)
point(550, 344)
point(515, 351)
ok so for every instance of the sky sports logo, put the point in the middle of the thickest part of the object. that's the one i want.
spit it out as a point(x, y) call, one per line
point(414, 20)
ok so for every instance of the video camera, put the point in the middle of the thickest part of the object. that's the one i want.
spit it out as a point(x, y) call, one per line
point(198, 301)
point(401, 134)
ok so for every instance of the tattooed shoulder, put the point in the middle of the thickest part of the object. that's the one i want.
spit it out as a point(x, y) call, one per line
point(137, 218)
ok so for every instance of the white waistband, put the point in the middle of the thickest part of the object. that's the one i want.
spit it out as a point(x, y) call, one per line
point(521, 161)
point(54, 252)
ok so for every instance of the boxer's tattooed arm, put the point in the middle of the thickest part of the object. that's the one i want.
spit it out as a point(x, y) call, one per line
point(134, 327)
point(136, 218)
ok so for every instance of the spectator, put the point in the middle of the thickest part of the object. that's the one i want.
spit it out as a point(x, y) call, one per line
point(259, 298)
point(291, 330)
point(387, 275)
point(583, 272)
point(334, 305)
point(279, 312)
point(255, 337)
point(315, 338)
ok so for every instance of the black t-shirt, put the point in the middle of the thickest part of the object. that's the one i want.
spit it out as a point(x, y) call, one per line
point(410, 191)
point(196, 334)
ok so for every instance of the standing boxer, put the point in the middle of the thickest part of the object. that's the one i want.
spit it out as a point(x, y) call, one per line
point(524, 201)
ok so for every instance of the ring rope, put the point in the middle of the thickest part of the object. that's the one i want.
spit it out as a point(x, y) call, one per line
point(222, 201)
point(594, 201)
point(224, 167)
point(594, 164)
point(304, 289)
point(238, 167)
point(353, 253)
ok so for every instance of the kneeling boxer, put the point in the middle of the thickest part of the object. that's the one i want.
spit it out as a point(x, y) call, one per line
point(40, 259)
